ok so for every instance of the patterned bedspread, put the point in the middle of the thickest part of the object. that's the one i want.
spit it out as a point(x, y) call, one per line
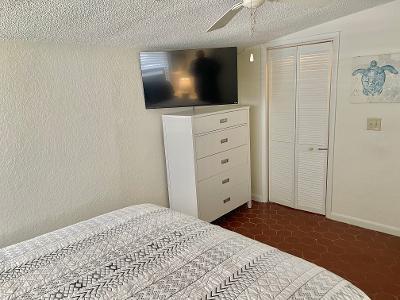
point(149, 252)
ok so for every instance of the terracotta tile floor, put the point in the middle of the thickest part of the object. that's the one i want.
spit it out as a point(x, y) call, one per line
point(368, 259)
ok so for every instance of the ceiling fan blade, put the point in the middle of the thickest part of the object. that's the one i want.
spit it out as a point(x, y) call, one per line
point(227, 17)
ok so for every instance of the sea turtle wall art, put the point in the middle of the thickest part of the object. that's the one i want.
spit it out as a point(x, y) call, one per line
point(376, 78)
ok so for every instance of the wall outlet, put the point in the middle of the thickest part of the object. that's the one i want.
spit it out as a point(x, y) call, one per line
point(374, 124)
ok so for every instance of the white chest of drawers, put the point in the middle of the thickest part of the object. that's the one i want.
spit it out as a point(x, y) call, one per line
point(207, 155)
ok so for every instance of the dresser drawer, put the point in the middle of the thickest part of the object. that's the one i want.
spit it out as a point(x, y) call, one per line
point(220, 141)
point(217, 196)
point(218, 163)
point(219, 121)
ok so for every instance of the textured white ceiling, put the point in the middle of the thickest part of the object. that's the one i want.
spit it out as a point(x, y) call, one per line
point(163, 23)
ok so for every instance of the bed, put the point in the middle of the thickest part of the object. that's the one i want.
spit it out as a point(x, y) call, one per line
point(149, 252)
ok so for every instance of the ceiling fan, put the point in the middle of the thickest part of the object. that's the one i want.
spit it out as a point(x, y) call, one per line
point(253, 4)
point(228, 16)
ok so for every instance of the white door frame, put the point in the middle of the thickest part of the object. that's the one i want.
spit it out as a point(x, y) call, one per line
point(330, 37)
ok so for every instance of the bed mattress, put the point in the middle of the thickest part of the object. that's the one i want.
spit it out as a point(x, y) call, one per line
point(150, 252)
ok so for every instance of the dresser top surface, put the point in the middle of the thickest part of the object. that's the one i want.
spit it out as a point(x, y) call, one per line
point(202, 111)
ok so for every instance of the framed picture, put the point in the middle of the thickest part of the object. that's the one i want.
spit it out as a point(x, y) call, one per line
point(376, 79)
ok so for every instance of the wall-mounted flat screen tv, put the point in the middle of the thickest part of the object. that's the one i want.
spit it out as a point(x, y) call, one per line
point(189, 77)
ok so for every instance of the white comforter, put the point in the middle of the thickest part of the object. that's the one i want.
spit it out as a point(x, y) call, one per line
point(149, 252)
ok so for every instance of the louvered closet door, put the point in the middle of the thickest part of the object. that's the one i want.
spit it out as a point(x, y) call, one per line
point(282, 95)
point(312, 125)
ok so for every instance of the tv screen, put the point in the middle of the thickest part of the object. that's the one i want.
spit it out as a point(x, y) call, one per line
point(189, 77)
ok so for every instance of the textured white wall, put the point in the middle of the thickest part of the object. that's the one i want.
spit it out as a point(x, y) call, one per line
point(75, 138)
point(249, 76)
point(366, 171)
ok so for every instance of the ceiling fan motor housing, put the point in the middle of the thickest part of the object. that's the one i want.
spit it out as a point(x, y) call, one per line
point(252, 3)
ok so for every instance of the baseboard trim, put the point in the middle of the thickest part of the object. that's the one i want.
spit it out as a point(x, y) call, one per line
point(364, 223)
point(257, 198)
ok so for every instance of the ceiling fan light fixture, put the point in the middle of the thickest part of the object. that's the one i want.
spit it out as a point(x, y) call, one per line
point(252, 3)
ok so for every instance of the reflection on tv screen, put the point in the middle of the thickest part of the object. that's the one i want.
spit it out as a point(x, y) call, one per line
point(189, 77)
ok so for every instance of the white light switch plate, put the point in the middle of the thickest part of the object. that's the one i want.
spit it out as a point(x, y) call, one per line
point(374, 124)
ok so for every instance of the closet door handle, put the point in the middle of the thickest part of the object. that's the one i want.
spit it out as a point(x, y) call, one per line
point(225, 181)
point(225, 140)
point(322, 149)
point(224, 120)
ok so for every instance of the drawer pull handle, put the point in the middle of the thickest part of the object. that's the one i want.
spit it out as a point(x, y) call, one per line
point(224, 120)
point(225, 181)
point(224, 161)
point(227, 199)
point(225, 140)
